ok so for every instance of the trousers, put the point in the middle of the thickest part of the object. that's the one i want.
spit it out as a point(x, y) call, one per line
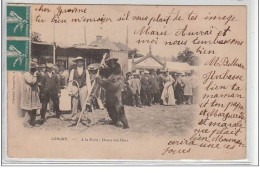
point(146, 97)
point(54, 98)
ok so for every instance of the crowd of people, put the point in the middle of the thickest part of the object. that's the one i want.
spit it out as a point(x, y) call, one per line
point(40, 86)
point(153, 87)
point(41, 90)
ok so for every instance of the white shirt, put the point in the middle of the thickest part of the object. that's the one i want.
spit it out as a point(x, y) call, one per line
point(49, 74)
point(80, 71)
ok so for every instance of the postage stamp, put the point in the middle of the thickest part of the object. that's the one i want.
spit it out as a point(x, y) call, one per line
point(18, 21)
point(18, 55)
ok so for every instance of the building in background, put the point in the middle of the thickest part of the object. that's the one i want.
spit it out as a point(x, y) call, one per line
point(148, 62)
point(43, 52)
point(92, 53)
point(151, 62)
point(116, 50)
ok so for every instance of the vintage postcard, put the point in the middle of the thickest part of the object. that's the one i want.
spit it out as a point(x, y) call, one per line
point(126, 82)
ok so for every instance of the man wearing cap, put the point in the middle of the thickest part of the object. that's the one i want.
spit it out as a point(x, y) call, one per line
point(194, 83)
point(155, 93)
point(113, 83)
point(135, 86)
point(126, 94)
point(145, 88)
point(30, 94)
point(51, 90)
point(40, 75)
point(79, 81)
point(178, 89)
point(96, 102)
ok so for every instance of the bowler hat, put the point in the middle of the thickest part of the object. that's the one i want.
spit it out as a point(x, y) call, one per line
point(34, 65)
point(94, 66)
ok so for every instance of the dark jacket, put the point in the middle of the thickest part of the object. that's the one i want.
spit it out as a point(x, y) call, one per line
point(145, 83)
point(51, 84)
point(160, 81)
point(39, 81)
point(154, 84)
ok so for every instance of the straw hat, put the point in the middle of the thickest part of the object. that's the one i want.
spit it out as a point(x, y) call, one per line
point(146, 72)
point(42, 66)
point(79, 58)
point(49, 65)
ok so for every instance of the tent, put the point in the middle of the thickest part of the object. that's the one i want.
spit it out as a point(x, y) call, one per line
point(178, 67)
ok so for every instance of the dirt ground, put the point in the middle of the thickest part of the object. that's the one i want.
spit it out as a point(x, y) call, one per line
point(156, 120)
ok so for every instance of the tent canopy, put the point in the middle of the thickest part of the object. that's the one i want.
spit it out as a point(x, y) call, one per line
point(178, 67)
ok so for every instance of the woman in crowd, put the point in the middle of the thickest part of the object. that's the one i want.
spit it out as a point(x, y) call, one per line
point(30, 101)
point(168, 93)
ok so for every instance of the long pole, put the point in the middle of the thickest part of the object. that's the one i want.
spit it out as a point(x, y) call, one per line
point(54, 59)
point(85, 37)
point(92, 86)
point(54, 56)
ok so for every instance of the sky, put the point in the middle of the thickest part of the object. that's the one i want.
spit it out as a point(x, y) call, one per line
point(69, 33)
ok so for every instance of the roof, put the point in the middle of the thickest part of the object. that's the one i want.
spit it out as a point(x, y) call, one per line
point(81, 46)
point(42, 43)
point(122, 46)
point(41, 49)
point(130, 63)
point(148, 63)
point(156, 58)
point(177, 66)
point(105, 44)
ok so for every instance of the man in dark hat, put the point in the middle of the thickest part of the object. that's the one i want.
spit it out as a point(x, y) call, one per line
point(136, 90)
point(79, 85)
point(155, 88)
point(113, 83)
point(96, 100)
point(127, 97)
point(145, 88)
point(40, 76)
point(51, 90)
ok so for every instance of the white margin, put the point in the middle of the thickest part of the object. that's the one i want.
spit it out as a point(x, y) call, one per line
point(252, 88)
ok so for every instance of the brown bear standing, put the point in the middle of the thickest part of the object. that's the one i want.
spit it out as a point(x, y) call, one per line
point(113, 83)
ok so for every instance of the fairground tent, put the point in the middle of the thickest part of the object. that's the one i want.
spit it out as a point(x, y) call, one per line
point(178, 67)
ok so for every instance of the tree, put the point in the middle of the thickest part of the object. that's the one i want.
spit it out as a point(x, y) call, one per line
point(135, 53)
point(36, 37)
point(188, 56)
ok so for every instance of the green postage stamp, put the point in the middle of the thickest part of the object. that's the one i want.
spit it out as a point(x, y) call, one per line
point(18, 55)
point(18, 21)
point(18, 34)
